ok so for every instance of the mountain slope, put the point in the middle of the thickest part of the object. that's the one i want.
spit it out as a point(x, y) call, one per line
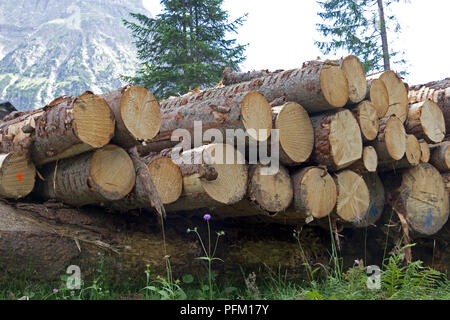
point(50, 48)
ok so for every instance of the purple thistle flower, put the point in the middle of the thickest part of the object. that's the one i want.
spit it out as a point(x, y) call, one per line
point(357, 262)
point(55, 290)
point(207, 217)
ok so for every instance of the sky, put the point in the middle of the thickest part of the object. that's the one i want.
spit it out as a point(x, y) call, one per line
point(281, 33)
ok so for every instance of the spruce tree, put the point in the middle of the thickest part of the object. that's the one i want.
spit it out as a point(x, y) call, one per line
point(184, 47)
point(361, 27)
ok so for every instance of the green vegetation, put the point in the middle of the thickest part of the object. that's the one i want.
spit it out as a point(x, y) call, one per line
point(184, 47)
point(361, 28)
point(398, 281)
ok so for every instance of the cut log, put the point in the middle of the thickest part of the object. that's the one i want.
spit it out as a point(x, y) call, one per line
point(425, 151)
point(248, 111)
point(426, 121)
point(368, 162)
point(17, 175)
point(438, 92)
point(228, 188)
point(106, 174)
point(420, 196)
point(137, 115)
point(377, 94)
point(314, 196)
point(337, 138)
point(296, 133)
point(317, 86)
point(230, 77)
point(267, 194)
point(398, 94)
point(440, 156)
point(391, 141)
point(413, 150)
point(356, 77)
point(367, 117)
point(63, 129)
point(166, 177)
point(377, 201)
point(412, 156)
point(353, 198)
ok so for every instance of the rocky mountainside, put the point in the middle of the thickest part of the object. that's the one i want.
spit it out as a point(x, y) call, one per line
point(50, 48)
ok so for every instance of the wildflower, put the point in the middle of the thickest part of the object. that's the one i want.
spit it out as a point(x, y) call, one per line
point(357, 262)
point(55, 290)
point(11, 294)
point(72, 292)
point(207, 217)
point(99, 253)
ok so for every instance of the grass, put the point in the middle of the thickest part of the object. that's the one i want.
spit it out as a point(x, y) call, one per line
point(397, 281)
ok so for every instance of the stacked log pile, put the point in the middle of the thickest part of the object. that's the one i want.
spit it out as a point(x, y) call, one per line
point(350, 145)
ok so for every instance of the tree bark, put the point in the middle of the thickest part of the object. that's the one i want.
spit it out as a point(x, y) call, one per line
point(63, 129)
point(106, 174)
point(337, 139)
point(231, 78)
point(384, 41)
point(137, 115)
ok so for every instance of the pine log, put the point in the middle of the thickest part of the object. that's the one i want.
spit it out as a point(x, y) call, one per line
point(391, 141)
point(267, 194)
point(412, 156)
point(350, 65)
point(377, 93)
point(317, 86)
point(167, 178)
point(337, 139)
point(367, 117)
point(356, 77)
point(63, 129)
point(248, 111)
point(230, 77)
point(420, 196)
point(425, 151)
point(426, 121)
point(438, 92)
point(296, 133)
point(315, 196)
point(368, 162)
point(446, 177)
point(137, 115)
point(17, 175)
point(440, 156)
point(377, 201)
point(99, 176)
point(398, 94)
point(353, 197)
point(229, 187)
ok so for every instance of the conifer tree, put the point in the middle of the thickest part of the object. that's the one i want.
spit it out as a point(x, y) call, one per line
point(184, 47)
point(361, 27)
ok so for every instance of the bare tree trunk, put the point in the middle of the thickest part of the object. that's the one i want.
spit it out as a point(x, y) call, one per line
point(384, 41)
